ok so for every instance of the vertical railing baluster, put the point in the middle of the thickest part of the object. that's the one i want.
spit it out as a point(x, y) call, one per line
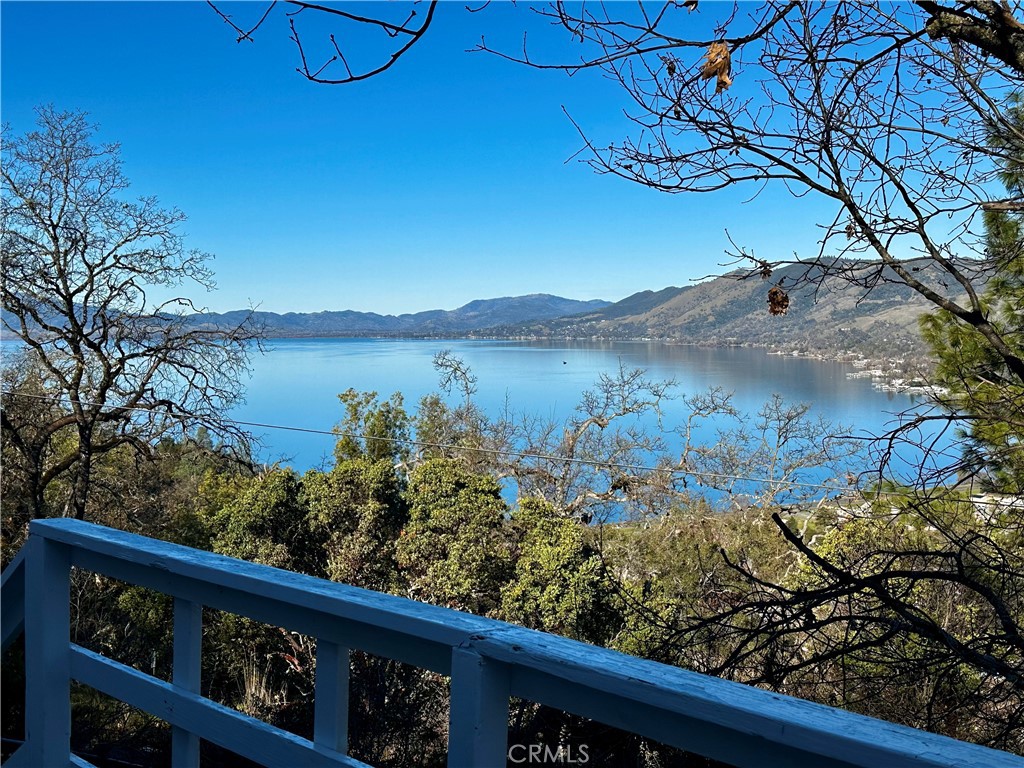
point(48, 653)
point(187, 674)
point(330, 713)
point(478, 720)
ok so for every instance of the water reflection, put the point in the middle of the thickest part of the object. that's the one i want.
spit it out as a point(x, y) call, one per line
point(296, 383)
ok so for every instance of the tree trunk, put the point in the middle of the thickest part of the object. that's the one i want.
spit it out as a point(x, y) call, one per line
point(80, 492)
point(37, 486)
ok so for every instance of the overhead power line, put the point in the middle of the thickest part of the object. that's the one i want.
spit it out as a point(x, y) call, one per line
point(698, 475)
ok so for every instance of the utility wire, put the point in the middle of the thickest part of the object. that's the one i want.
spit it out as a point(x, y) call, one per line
point(696, 474)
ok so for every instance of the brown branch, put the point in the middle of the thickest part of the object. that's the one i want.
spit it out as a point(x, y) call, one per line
point(998, 33)
point(415, 34)
point(242, 35)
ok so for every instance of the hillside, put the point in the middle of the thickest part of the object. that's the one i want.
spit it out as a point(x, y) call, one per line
point(835, 317)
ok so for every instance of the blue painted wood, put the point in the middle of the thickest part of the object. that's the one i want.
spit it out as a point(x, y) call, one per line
point(743, 724)
point(304, 604)
point(728, 741)
point(300, 603)
point(47, 657)
point(12, 600)
point(478, 719)
point(186, 674)
point(19, 759)
point(330, 715)
point(221, 725)
point(739, 723)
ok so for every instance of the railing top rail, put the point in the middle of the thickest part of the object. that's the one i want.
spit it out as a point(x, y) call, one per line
point(173, 569)
point(540, 661)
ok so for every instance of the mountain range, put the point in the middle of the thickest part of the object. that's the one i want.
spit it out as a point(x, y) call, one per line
point(482, 313)
point(826, 314)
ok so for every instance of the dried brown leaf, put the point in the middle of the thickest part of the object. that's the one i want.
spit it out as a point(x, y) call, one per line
point(718, 64)
point(778, 301)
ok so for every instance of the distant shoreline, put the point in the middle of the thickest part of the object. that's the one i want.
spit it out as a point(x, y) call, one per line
point(892, 374)
point(887, 374)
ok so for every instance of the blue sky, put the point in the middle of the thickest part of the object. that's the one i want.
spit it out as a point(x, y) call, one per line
point(441, 181)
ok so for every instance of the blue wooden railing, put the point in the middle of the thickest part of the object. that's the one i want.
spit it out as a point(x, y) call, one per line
point(488, 661)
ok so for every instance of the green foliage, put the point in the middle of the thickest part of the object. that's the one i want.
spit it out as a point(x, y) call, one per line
point(673, 574)
point(452, 432)
point(436, 427)
point(219, 489)
point(559, 584)
point(983, 390)
point(268, 524)
point(372, 428)
point(358, 510)
point(455, 550)
point(1004, 135)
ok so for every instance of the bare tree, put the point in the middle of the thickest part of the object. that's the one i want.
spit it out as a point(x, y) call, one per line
point(900, 611)
point(621, 456)
point(887, 111)
point(883, 110)
point(398, 28)
point(781, 456)
point(591, 466)
point(80, 265)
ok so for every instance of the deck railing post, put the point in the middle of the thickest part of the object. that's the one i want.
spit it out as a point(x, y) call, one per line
point(478, 724)
point(488, 661)
point(47, 653)
point(330, 712)
point(187, 674)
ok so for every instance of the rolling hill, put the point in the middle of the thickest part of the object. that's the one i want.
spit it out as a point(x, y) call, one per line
point(482, 313)
point(832, 317)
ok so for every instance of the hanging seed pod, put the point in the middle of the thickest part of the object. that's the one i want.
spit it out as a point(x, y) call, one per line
point(778, 301)
point(766, 270)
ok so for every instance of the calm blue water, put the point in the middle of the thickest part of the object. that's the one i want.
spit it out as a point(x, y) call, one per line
point(297, 381)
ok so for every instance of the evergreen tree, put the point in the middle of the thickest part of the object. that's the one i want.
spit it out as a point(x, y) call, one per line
point(982, 389)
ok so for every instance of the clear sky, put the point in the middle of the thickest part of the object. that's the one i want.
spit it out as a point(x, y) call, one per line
point(441, 181)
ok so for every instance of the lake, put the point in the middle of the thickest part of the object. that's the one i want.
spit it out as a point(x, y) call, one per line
point(297, 381)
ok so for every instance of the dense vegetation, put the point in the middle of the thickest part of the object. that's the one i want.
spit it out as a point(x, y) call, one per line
point(902, 601)
point(432, 524)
